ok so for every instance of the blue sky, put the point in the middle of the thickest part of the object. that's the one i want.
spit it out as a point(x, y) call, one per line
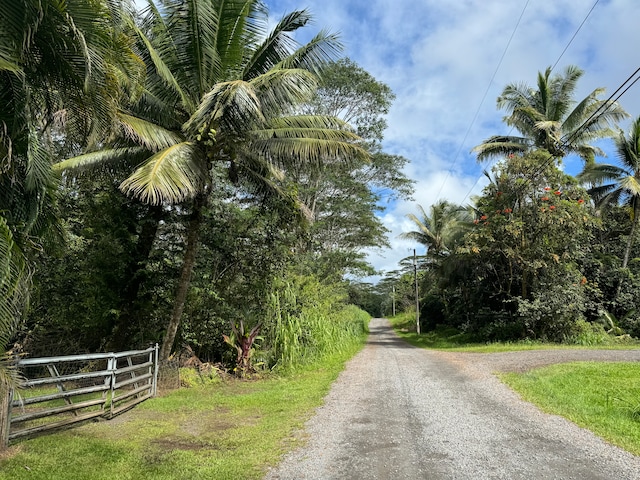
point(439, 58)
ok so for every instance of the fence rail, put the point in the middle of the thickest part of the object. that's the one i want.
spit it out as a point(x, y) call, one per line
point(58, 392)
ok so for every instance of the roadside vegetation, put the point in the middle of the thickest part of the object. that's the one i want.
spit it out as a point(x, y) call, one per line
point(448, 338)
point(602, 397)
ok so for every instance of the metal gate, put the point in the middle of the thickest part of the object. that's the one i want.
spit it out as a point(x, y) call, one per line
point(58, 392)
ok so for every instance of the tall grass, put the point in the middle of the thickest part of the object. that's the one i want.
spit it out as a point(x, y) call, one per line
point(309, 320)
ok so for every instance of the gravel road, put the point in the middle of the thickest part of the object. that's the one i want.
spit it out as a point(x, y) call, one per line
point(399, 412)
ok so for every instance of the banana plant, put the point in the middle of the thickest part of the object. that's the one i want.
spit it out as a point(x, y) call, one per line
point(243, 341)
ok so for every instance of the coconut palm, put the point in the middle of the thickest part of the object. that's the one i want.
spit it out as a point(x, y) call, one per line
point(222, 91)
point(615, 184)
point(439, 229)
point(547, 117)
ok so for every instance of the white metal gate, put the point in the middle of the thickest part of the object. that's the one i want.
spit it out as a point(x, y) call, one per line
point(57, 392)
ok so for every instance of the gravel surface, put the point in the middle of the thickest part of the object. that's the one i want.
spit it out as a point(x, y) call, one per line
point(399, 412)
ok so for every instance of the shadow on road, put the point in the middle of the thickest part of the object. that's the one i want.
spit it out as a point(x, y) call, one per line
point(385, 336)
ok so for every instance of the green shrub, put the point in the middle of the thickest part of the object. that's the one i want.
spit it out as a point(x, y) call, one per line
point(194, 377)
point(586, 333)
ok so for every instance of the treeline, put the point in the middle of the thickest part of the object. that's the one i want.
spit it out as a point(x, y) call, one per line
point(540, 254)
point(183, 173)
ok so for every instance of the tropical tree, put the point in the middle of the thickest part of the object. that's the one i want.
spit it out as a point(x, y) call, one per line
point(222, 91)
point(343, 199)
point(619, 184)
point(439, 229)
point(532, 226)
point(547, 117)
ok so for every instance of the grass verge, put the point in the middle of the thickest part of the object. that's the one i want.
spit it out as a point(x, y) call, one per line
point(602, 397)
point(452, 339)
point(233, 430)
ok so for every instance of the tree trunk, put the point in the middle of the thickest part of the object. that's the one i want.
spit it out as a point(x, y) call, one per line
point(184, 282)
point(627, 252)
point(5, 400)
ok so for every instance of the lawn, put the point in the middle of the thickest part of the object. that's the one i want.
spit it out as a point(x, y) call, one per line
point(602, 397)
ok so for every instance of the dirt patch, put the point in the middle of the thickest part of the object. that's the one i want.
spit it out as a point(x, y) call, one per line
point(9, 452)
point(207, 423)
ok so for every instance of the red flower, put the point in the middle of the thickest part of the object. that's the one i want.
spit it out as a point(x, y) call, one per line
point(511, 155)
point(543, 209)
point(546, 189)
point(552, 207)
point(508, 210)
point(499, 193)
point(483, 217)
point(544, 199)
point(486, 223)
point(558, 192)
point(476, 221)
point(583, 281)
point(581, 201)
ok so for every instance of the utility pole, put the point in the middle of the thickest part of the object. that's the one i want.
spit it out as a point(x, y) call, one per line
point(415, 278)
point(393, 300)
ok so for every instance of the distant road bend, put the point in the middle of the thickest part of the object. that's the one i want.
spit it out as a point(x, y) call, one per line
point(400, 412)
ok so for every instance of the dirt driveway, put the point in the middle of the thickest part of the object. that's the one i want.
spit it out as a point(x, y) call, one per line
point(399, 412)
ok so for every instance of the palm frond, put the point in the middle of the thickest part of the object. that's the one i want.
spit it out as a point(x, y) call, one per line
point(284, 151)
point(171, 175)
point(631, 185)
point(102, 159)
point(232, 106)
point(164, 71)
point(241, 25)
point(279, 90)
point(13, 284)
point(324, 48)
point(277, 46)
point(499, 146)
point(150, 135)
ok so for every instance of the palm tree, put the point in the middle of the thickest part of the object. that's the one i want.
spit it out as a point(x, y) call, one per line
point(61, 67)
point(615, 184)
point(221, 92)
point(547, 117)
point(439, 229)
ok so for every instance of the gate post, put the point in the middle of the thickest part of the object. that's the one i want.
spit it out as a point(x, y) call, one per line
point(155, 371)
point(6, 398)
point(112, 366)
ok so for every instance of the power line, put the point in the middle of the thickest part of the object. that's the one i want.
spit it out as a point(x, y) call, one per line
point(603, 106)
point(575, 34)
point(483, 99)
